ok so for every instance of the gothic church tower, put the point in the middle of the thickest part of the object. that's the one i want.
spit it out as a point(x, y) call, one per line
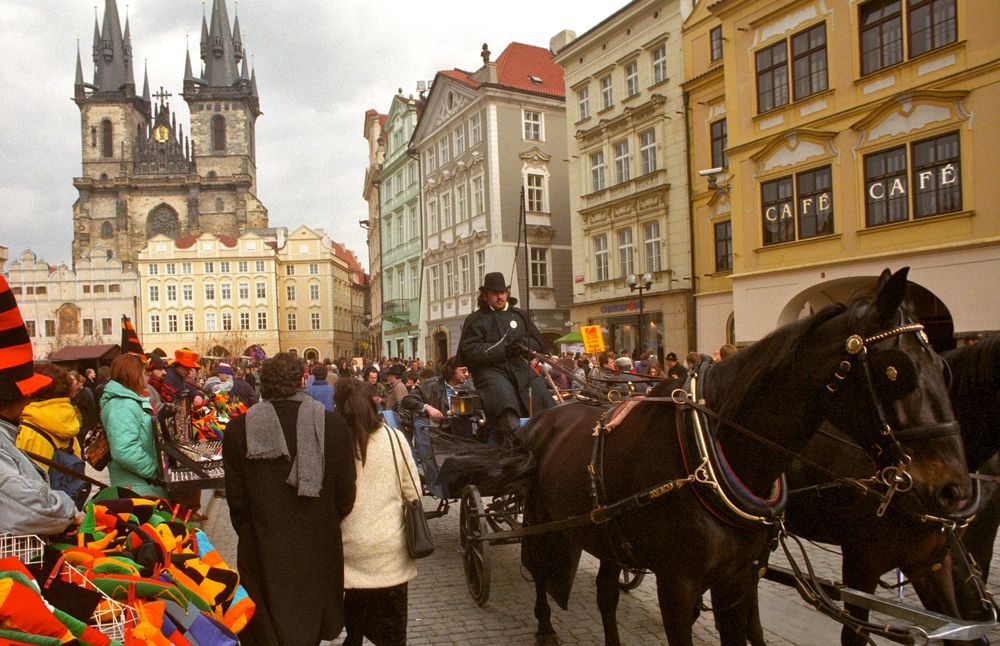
point(142, 176)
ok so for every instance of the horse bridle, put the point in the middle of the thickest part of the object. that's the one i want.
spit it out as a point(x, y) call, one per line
point(886, 449)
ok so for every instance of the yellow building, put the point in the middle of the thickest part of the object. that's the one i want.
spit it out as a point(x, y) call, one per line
point(846, 155)
point(211, 293)
point(628, 178)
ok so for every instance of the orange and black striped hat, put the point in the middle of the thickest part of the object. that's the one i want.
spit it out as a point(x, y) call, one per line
point(130, 340)
point(17, 374)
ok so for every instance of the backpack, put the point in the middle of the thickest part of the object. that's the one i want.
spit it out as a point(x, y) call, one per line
point(75, 488)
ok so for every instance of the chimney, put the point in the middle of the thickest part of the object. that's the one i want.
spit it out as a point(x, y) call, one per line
point(560, 40)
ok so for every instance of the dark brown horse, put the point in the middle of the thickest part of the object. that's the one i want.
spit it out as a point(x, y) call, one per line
point(874, 545)
point(781, 388)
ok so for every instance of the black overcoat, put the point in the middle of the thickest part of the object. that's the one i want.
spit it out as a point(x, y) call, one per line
point(290, 555)
point(503, 382)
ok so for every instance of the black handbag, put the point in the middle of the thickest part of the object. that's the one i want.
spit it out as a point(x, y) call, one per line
point(419, 542)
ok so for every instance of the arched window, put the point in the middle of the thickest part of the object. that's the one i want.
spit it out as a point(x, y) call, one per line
point(106, 230)
point(163, 219)
point(218, 132)
point(107, 139)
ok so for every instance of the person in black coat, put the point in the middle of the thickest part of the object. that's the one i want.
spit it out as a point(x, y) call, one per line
point(492, 345)
point(290, 480)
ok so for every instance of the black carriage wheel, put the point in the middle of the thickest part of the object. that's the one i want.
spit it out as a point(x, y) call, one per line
point(630, 579)
point(475, 547)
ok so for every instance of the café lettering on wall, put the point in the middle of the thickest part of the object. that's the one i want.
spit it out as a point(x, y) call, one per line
point(927, 180)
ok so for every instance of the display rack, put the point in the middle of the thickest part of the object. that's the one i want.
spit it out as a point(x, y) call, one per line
point(111, 617)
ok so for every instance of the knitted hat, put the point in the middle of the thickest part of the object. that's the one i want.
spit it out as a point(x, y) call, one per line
point(224, 369)
point(17, 374)
point(186, 358)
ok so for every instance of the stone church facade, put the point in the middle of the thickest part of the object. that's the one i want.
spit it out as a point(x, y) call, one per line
point(142, 175)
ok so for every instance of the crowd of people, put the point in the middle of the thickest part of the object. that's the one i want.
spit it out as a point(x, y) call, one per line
point(312, 470)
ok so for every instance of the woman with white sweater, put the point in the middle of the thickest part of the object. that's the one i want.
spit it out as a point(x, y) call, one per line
point(377, 565)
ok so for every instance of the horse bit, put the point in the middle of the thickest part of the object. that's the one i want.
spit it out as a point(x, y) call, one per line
point(895, 477)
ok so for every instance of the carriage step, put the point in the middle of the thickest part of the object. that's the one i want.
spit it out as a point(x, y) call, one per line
point(926, 625)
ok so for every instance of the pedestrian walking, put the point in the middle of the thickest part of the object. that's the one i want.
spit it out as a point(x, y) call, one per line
point(377, 564)
point(289, 483)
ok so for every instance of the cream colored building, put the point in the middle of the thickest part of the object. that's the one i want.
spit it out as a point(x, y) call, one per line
point(62, 306)
point(628, 177)
point(375, 138)
point(211, 293)
point(864, 138)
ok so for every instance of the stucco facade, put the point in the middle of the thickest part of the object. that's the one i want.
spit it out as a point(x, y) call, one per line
point(628, 178)
point(81, 306)
point(482, 138)
point(400, 233)
point(374, 124)
point(850, 154)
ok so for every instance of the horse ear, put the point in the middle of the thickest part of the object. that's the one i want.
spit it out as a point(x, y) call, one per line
point(891, 292)
point(883, 279)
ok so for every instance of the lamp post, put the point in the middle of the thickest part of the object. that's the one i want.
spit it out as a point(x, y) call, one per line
point(641, 283)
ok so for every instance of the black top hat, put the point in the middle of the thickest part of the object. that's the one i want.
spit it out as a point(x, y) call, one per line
point(494, 282)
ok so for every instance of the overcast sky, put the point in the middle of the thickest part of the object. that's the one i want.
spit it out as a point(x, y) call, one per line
point(320, 64)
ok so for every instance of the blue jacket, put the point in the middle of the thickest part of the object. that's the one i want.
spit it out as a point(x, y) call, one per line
point(322, 391)
point(128, 421)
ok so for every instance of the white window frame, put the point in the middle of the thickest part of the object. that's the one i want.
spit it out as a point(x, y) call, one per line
point(244, 320)
point(647, 151)
point(607, 92)
point(414, 280)
point(224, 267)
point(314, 321)
point(314, 292)
point(154, 269)
point(289, 292)
point(461, 203)
point(154, 293)
point(209, 291)
point(480, 266)
point(602, 259)
point(431, 158)
point(432, 216)
point(660, 64)
point(463, 273)
point(261, 320)
point(259, 265)
point(226, 291)
point(534, 194)
point(187, 292)
point(242, 266)
point(459, 140)
point(623, 159)
point(539, 267)
point(189, 321)
point(598, 181)
point(154, 324)
point(532, 125)
point(227, 321)
point(444, 150)
point(631, 78)
point(292, 321)
point(651, 246)
point(447, 218)
point(210, 322)
point(186, 268)
point(172, 323)
point(475, 129)
point(478, 201)
point(243, 291)
point(448, 274)
point(583, 103)
point(435, 283)
point(626, 251)
point(260, 289)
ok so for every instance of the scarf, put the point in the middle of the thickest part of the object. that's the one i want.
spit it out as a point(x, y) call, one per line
point(165, 390)
point(266, 441)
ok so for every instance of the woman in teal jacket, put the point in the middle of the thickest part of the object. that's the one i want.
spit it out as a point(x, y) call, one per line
point(128, 421)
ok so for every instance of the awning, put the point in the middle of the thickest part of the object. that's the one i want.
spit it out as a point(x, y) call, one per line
point(85, 352)
point(572, 337)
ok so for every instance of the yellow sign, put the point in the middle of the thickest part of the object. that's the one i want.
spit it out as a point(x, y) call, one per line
point(593, 340)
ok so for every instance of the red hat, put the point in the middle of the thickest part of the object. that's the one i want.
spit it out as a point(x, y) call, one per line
point(17, 373)
point(186, 358)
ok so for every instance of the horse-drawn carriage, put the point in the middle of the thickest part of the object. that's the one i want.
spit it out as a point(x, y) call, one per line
point(691, 485)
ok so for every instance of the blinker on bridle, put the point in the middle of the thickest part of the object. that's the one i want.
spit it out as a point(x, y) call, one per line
point(886, 448)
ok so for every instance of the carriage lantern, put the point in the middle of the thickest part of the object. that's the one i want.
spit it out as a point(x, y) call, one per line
point(643, 284)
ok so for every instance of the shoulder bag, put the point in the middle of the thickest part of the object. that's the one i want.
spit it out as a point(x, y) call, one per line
point(96, 450)
point(419, 542)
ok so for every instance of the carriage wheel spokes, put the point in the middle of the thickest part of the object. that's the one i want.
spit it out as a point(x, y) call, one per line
point(630, 579)
point(475, 548)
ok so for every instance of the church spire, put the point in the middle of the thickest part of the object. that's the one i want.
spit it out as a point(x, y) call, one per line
point(204, 37)
point(145, 84)
point(127, 51)
point(79, 67)
point(188, 74)
point(253, 83)
point(237, 40)
point(220, 64)
point(111, 56)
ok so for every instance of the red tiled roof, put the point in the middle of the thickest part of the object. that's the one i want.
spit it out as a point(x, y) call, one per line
point(460, 75)
point(186, 242)
point(347, 256)
point(519, 62)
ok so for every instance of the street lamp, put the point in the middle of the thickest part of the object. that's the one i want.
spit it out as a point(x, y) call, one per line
point(642, 283)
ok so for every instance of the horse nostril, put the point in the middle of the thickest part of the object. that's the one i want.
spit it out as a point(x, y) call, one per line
point(950, 495)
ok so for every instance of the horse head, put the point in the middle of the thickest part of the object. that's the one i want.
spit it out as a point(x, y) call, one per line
point(886, 389)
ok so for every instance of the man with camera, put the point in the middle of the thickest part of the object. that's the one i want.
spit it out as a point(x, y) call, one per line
point(496, 342)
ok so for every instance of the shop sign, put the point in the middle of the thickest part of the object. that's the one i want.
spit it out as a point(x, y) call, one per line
point(578, 278)
point(630, 306)
point(593, 340)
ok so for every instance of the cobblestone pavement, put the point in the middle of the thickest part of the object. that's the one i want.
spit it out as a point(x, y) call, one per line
point(442, 612)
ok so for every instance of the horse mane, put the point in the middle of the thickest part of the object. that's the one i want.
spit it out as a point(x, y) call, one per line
point(735, 380)
point(975, 368)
